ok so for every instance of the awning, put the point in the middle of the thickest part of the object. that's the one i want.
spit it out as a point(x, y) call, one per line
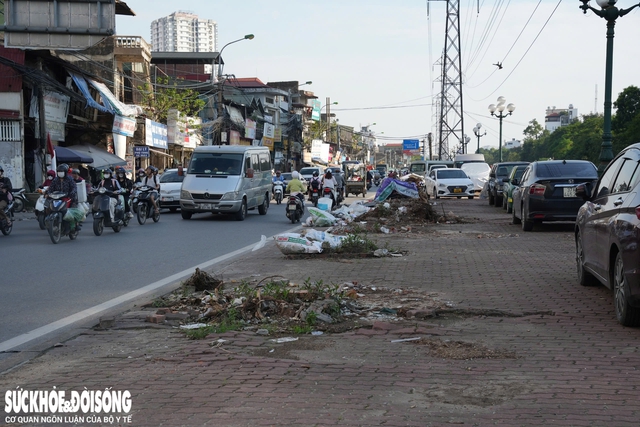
point(160, 152)
point(67, 155)
point(101, 158)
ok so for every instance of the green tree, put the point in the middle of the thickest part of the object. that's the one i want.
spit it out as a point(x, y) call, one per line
point(627, 108)
point(167, 96)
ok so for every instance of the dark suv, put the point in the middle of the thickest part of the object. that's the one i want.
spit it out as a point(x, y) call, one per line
point(499, 172)
point(607, 234)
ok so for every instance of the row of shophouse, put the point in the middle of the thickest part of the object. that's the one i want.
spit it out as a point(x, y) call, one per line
point(89, 101)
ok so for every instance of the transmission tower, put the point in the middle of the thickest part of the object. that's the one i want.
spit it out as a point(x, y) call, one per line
point(451, 118)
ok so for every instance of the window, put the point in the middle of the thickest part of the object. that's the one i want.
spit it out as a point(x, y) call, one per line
point(629, 174)
point(10, 130)
point(606, 182)
point(265, 162)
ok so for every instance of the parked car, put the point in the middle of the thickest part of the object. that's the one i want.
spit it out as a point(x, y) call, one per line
point(170, 183)
point(547, 191)
point(607, 233)
point(307, 172)
point(478, 172)
point(497, 174)
point(449, 182)
point(509, 184)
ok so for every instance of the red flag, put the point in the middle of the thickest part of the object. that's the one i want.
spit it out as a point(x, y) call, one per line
point(50, 150)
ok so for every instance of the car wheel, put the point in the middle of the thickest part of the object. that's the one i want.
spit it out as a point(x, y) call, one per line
point(514, 218)
point(262, 209)
point(584, 277)
point(509, 206)
point(492, 199)
point(497, 201)
point(470, 197)
point(504, 202)
point(527, 225)
point(185, 215)
point(242, 213)
point(625, 313)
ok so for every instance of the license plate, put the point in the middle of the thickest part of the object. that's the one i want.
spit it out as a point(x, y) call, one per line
point(569, 191)
point(206, 206)
point(167, 199)
point(457, 190)
point(292, 207)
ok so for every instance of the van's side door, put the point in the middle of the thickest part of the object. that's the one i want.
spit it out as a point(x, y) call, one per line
point(255, 181)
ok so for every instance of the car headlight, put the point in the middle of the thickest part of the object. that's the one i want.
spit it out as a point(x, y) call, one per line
point(184, 194)
point(441, 185)
point(232, 195)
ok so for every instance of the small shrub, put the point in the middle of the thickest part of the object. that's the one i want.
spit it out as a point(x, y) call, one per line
point(200, 333)
point(356, 244)
point(301, 329)
point(244, 289)
point(312, 318)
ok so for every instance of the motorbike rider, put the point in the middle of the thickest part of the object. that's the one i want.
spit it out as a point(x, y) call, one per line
point(295, 187)
point(151, 180)
point(51, 175)
point(315, 183)
point(110, 184)
point(277, 178)
point(127, 185)
point(339, 184)
point(5, 194)
point(139, 176)
point(64, 183)
point(328, 181)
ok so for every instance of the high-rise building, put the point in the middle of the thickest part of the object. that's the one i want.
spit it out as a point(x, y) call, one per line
point(184, 32)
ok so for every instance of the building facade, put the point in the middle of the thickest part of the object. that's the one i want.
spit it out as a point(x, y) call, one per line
point(557, 117)
point(184, 32)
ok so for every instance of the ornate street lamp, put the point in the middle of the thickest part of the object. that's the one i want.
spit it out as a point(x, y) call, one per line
point(476, 132)
point(609, 12)
point(500, 115)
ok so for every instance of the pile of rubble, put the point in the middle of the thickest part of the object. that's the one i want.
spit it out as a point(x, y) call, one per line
point(283, 305)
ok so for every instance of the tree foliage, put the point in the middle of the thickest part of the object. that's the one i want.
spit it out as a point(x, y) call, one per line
point(167, 96)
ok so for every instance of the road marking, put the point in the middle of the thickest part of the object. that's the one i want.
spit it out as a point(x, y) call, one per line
point(59, 324)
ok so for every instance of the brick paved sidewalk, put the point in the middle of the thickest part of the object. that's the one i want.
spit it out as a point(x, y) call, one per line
point(547, 351)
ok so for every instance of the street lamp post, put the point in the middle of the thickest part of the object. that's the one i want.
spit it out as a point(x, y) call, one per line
point(220, 87)
point(328, 107)
point(500, 115)
point(476, 132)
point(609, 12)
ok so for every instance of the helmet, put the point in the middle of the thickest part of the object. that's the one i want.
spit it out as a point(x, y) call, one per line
point(140, 171)
point(295, 175)
point(75, 171)
point(315, 173)
point(120, 171)
point(51, 172)
point(278, 172)
point(63, 168)
point(106, 172)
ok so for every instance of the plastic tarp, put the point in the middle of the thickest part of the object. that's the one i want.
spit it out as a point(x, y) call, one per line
point(389, 185)
point(84, 88)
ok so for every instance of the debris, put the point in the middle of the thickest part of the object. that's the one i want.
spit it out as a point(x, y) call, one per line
point(202, 281)
point(407, 339)
point(284, 339)
point(293, 243)
point(262, 332)
point(194, 326)
point(385, 230)
point(381, 253)
point(260, 244)
point(316, 333)
point(397, 187)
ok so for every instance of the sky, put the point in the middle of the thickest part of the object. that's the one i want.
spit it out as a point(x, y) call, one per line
point(379, 59)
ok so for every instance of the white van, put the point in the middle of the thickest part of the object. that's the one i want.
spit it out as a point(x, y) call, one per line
point(230, 179)
point(468, 158)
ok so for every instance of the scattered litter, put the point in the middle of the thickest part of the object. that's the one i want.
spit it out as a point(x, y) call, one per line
point(406, 339)
point(321, 218)
point(284, 339)
point(316, 333)
point(385, 230)
point(203, 281)
point(262, 332)
point(260, 244)
point(386, 310)
point(194, 326)
point(293, 243)
point(272, 350)
point(381, 253)
point(220, 340)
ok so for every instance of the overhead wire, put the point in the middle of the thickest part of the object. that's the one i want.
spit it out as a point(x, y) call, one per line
point(524, 54)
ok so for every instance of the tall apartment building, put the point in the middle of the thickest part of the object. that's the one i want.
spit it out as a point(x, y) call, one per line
point(184, 32)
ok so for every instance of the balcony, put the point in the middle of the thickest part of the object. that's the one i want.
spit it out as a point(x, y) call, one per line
point(132, 49)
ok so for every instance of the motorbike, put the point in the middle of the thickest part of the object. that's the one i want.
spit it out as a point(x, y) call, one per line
point(19, 199)
point(376, 181)
point(295, 208)
point(339, 196)
point(39, 209)
point(102, 213)
point(368, 184)
point(57, 204)
point(326, 192)
point(8, 211)
point(141, 204)
point(314, 195)
point(278, 191)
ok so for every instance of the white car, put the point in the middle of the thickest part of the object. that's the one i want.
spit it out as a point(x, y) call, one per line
point(170, 183)
point(449, 182)
point(478, 172)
